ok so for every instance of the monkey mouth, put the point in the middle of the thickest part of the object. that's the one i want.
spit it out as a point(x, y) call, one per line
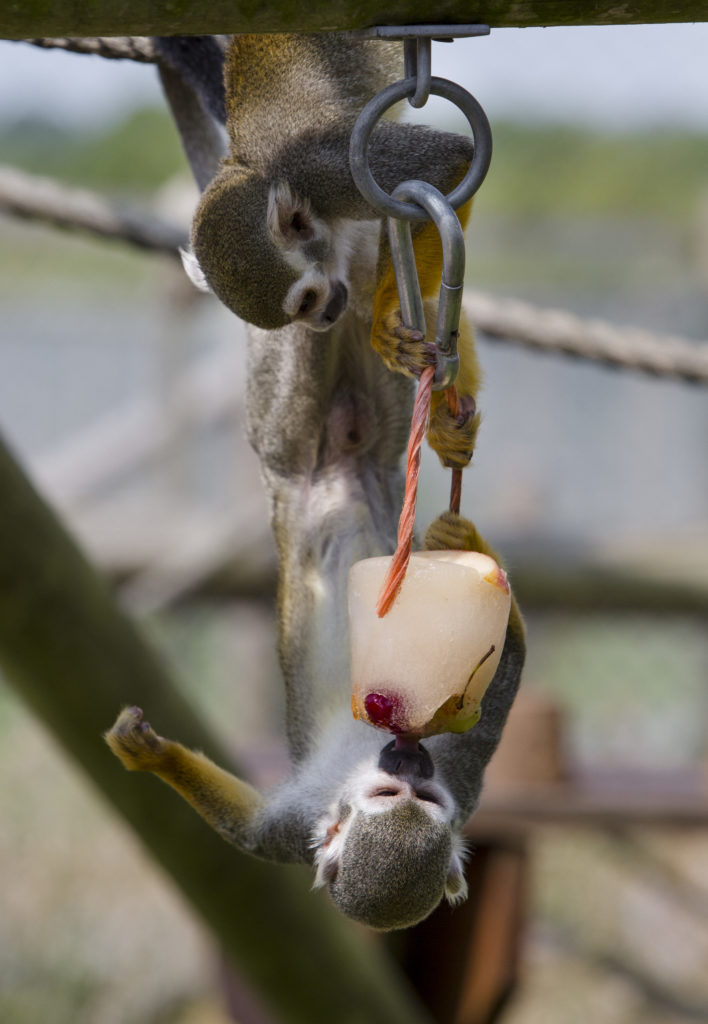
point(406, 756)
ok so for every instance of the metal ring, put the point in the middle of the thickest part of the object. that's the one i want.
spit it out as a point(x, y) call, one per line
point(358, 149)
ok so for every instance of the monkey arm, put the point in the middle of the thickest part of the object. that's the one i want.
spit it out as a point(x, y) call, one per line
point(399, 152)
point(463, 758)
point(230, 806)
point(191, 73)
point(316, 164)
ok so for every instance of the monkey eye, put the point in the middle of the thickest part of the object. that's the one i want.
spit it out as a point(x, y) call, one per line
point(383, 791)
point(308, 303)
point(301, 226)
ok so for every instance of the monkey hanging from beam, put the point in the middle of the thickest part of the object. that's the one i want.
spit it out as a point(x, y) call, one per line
point(284, 239)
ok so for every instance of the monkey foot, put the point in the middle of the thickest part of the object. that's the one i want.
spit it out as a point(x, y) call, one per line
point(453, 437)
point(403, 349)
point(135, 742)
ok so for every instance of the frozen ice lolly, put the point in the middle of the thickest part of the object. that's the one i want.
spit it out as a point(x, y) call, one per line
point(424, 667)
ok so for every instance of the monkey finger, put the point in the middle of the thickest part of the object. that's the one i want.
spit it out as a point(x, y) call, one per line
point(134, 741)
point(466, 409)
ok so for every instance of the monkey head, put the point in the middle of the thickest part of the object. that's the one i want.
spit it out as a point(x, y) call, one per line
point(387, 851)
point(266, 255)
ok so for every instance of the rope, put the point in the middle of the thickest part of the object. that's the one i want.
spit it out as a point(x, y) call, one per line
point(399, 563)
point(419, 421)
point(25, 195)
point(138, 48)
point(547, 330)
point(553, 330)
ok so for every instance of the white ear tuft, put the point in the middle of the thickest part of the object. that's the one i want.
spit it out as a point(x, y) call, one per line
point(327, 841)
point(456, 883)
point(193, 271)
point(289, 218)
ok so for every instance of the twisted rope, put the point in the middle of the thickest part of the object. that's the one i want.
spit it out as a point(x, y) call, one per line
point(544, 330)
point(138, 48)
point(419, 422)
point(399, 563)
point(553, 330)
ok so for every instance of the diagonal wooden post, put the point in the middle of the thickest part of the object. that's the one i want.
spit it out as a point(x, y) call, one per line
point(75, 658)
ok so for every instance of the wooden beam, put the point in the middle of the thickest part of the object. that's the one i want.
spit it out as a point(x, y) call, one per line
point(596, 799)
point(34, 18)
point(475, 948)
point(74, 658)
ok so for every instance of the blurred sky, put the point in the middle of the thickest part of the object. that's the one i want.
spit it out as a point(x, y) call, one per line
point(612, 77)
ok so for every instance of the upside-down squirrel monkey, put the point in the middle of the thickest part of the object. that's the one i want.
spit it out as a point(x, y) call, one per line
point(275, 231)
point(284, 239)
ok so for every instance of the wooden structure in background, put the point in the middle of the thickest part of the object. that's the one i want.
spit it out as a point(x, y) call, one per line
point(464, 963)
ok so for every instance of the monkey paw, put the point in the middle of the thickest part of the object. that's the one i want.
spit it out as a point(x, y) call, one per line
point(135, 742)
point(451, 531)
point(453, 437)
point(403, 349)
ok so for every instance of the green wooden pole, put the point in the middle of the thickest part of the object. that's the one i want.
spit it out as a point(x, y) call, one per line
point(75, 659)
point(21, 19)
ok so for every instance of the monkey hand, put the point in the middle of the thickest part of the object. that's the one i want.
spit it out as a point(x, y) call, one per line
point(453, 437)
point(135, 743)
point(403, 349)
point(451, 531)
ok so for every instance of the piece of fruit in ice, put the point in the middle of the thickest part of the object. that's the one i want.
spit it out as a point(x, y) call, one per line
point(424, 667)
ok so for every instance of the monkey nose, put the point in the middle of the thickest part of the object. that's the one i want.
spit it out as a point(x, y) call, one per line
point(336, 305)
point(407, 758)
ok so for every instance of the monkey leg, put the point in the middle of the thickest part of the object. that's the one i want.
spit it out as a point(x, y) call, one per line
point(463, 758)
point(229, 805)
point(453, 437)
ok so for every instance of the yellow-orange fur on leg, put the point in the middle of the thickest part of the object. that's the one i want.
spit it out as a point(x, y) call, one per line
point(453, 438)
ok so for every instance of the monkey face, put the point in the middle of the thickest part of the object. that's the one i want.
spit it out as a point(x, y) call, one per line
point(387, 851)
point(263, 252)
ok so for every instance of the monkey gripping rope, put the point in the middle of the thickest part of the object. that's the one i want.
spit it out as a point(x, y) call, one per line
point(419, 201)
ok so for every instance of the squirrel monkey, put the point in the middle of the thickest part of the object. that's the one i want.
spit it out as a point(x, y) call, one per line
point(280, 227)
point(384, 838)
point(329, 423)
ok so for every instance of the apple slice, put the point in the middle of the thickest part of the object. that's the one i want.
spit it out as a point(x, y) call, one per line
point(424, 667)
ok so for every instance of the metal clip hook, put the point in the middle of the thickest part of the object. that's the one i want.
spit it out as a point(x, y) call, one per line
point(453, 273)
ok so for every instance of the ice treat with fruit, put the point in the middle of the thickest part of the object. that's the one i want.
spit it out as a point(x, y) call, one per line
point(424, 667)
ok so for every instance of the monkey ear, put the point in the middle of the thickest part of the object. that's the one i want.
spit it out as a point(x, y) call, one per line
point(193, 271)
point(290, 219)
point(456, 883)
point(327, 842)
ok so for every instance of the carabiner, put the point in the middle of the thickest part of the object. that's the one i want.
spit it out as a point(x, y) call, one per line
point(447, 326)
